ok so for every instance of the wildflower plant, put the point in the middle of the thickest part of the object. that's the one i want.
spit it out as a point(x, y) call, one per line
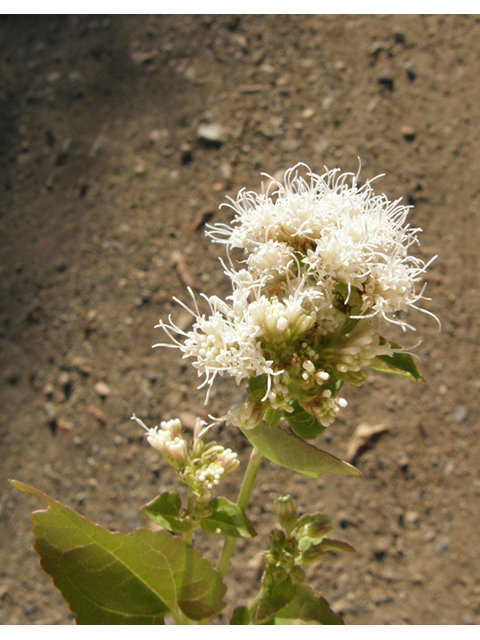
point(326, 270)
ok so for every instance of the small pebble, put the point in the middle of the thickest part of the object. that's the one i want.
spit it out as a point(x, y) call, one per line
point(460, 414)
point(442, 544)
point(385, 79)
point(408, 133)
point(102, 389)
point(411, 518)
point(212, 134)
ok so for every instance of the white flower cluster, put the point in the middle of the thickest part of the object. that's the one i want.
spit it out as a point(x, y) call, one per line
point(340, 232)
point(324, 257)
point(200, 466)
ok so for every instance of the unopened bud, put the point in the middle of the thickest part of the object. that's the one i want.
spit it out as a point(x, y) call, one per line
point(318, 528)
point(313, 554)
point(229, 460)
point(245, 416)
point(174, 427)
point(277, 540)
point(211, 453)
point(286, 510)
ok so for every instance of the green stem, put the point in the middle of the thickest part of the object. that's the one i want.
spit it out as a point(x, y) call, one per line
point(179, 617)
point(243, 497)
point(188, 535)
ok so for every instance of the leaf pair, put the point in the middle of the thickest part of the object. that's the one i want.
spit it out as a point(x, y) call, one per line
point(223, 517)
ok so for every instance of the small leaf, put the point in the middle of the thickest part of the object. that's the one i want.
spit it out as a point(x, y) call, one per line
point(289, 451)
point(399, 363)
point(336, 545)
point(274, 596)
point(312, 529)
point(303, 423)
point(227, 519)
point(349, 325)
point(113, 578)
point(257, 387)
point(165, 510)
point(307, 608)
point(357, 378)
point(240, 616)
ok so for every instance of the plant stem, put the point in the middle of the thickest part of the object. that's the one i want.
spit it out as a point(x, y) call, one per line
point(243, 497)
point(188, 535)
point(179, 617)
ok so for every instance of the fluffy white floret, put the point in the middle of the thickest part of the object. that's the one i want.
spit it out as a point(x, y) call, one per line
point(346, 234)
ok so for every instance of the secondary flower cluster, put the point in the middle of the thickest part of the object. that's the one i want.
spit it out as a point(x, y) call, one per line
point(326, 267)
point(201, 466)
point(303, 542)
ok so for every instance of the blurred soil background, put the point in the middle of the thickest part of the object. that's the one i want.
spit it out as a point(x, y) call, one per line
point(119, 139)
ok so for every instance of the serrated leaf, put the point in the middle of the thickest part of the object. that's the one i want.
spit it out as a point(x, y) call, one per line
point(227, 519)
point(240, 616)
point(290, 451)
point(303, 423)
point(164, 510)
point(274, 596)
point(307, 608)
point(114, 578)
point(399, 363)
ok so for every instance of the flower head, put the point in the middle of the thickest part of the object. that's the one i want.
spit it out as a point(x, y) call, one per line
point(324, 257)
point(341, 232)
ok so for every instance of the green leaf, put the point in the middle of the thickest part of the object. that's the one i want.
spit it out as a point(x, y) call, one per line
point(289, 451)
point(257, 387)
point(273, 416)
point(312, 529)
point(335, 385)
point(399, 363)
point(349, 325)
point(335, 545)
point(307, 608)
point(357, 378)
point(165, 511)
point(240, 616)
point(227, 519)
point(275, 595)
point(303, 423)
point(113, 578)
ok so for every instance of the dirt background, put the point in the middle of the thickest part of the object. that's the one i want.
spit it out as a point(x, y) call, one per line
point(106, 183)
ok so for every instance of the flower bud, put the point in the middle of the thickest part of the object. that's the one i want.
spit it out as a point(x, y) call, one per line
point(174, 427)
point(286, 510)
point(277, 540)
point(177, 451)
point(312, 554)
point(316, 529)
point(229, 460)
point(245, 416)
